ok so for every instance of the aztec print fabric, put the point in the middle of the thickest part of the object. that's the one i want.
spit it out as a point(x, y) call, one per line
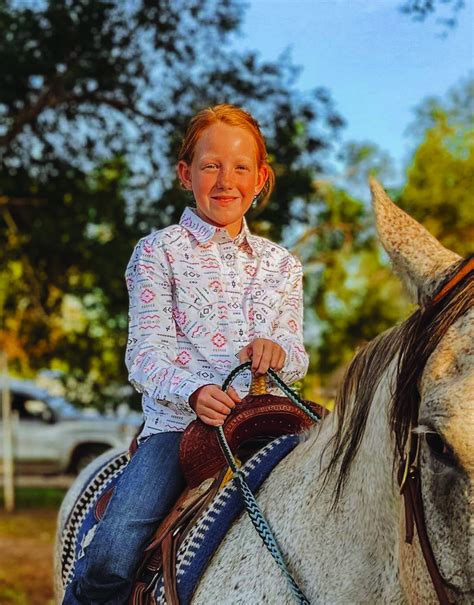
point(197, 297)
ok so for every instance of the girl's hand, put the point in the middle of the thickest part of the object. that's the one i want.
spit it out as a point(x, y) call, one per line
point(212, 404)
point(264, 354)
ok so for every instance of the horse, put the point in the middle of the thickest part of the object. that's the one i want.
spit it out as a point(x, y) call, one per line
point(334, 502)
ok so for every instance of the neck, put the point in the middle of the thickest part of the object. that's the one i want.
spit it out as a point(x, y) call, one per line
point(233, 229)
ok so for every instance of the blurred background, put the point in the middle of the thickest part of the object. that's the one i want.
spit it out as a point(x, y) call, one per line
point(94, 99)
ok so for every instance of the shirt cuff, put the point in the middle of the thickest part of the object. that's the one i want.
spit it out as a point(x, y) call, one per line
point(186, 388)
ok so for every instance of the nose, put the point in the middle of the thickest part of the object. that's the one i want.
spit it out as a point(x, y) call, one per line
point(225, 178)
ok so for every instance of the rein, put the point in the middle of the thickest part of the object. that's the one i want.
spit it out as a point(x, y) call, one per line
point(251, 505)
point(409, 478)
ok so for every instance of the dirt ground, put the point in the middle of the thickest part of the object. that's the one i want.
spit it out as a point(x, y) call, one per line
point(26, 556)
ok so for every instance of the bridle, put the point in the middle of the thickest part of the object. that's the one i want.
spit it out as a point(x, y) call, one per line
point(409, 478)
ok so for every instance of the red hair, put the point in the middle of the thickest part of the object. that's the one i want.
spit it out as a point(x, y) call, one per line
point(232, 116)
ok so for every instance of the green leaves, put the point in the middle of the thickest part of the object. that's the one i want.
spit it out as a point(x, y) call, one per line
point(438, 191)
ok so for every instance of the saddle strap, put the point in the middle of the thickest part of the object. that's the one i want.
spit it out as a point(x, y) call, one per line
point(160, 554)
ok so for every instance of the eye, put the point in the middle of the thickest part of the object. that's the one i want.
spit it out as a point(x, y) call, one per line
point(210, 166)
point(440, 449)
point(242, 167)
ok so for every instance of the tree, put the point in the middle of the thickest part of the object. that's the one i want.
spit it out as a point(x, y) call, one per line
point(420, 10)
point(63, 303)
point(438, 191)
point(94, 98)
point(351, 294)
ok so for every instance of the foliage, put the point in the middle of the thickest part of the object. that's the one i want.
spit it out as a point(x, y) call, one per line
point(421, 9)
point(438, 191)
point(64, 304)
point(94, 98)
point(351, 295)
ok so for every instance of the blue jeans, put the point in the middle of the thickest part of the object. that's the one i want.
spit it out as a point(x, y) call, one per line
point(145, 492)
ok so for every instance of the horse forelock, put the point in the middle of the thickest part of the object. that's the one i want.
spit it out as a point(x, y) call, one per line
point(412, 343)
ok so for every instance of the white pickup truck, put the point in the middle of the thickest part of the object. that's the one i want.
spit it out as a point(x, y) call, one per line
point(51, 436)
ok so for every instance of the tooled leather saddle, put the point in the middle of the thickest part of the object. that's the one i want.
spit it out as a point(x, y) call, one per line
point(259, 418)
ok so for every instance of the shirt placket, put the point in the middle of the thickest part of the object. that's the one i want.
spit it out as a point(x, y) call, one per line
point(233, 292)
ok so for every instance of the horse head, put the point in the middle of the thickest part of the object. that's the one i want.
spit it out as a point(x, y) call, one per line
point(434, 398)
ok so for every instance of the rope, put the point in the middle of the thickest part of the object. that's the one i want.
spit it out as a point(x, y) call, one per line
point(292, 396)
point(253, 509)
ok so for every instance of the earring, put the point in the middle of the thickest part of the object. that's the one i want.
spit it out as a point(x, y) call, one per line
point(255, 201)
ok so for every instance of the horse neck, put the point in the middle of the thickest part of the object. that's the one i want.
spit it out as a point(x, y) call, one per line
point(369, 501)
point(372, 466)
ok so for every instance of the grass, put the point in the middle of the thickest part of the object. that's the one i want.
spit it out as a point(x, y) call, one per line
point(36, 497)
point(26, 547)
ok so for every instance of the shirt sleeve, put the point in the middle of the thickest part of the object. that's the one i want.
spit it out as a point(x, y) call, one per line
point(287, 330)
point(152, 345)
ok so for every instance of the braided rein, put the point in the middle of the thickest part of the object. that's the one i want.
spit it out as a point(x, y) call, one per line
point(251, 505)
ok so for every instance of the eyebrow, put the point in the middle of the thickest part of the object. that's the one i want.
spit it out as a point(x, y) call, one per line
point(242, 158)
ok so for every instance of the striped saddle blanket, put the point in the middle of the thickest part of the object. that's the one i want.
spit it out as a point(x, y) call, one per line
point(201, 541)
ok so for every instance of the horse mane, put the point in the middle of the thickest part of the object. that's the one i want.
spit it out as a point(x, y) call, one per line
point(414, 341)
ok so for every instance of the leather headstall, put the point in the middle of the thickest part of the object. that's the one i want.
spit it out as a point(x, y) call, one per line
point(409, 478)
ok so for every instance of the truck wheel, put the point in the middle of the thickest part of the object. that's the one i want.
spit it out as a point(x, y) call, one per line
point(87, 454)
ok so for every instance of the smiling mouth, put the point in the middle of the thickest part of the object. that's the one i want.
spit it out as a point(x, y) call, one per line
point(224, 199)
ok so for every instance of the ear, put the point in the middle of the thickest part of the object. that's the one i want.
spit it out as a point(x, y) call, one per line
point(184, 174)
point(262, 178)
point(417, 257)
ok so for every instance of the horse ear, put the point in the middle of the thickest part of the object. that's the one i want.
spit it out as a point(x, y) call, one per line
point(417, 257)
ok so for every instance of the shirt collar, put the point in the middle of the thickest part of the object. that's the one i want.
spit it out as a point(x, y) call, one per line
point(204, 232)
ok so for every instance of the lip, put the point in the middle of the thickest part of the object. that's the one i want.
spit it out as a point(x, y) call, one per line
point(224, 199)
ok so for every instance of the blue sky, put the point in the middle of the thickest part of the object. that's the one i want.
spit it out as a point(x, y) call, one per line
point(377, 63)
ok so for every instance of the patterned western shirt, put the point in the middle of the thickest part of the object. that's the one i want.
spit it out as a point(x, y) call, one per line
point(197, 297)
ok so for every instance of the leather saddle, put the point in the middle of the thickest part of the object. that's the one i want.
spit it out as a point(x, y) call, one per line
point(258, 419)
point(254, 421)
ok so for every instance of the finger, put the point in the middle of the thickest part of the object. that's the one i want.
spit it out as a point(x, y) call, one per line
point(245, 354)
point(234, 395)
point(275, 358)
point(211, 420)
point(212, 407)
point(225, 399)
point(221, 407)
point(281, 361)
point(217, 393)
point(257, 348)
point(264, 361)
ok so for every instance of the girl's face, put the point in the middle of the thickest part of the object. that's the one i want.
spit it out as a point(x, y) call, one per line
point(223, 175)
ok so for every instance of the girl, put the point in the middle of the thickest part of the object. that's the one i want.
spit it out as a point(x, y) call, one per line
point(205, 295)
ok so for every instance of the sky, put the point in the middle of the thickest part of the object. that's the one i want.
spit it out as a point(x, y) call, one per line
point(377, 63)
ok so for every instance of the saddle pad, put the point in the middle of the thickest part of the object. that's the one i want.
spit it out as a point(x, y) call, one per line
point(204, 538)
point(80, 526)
